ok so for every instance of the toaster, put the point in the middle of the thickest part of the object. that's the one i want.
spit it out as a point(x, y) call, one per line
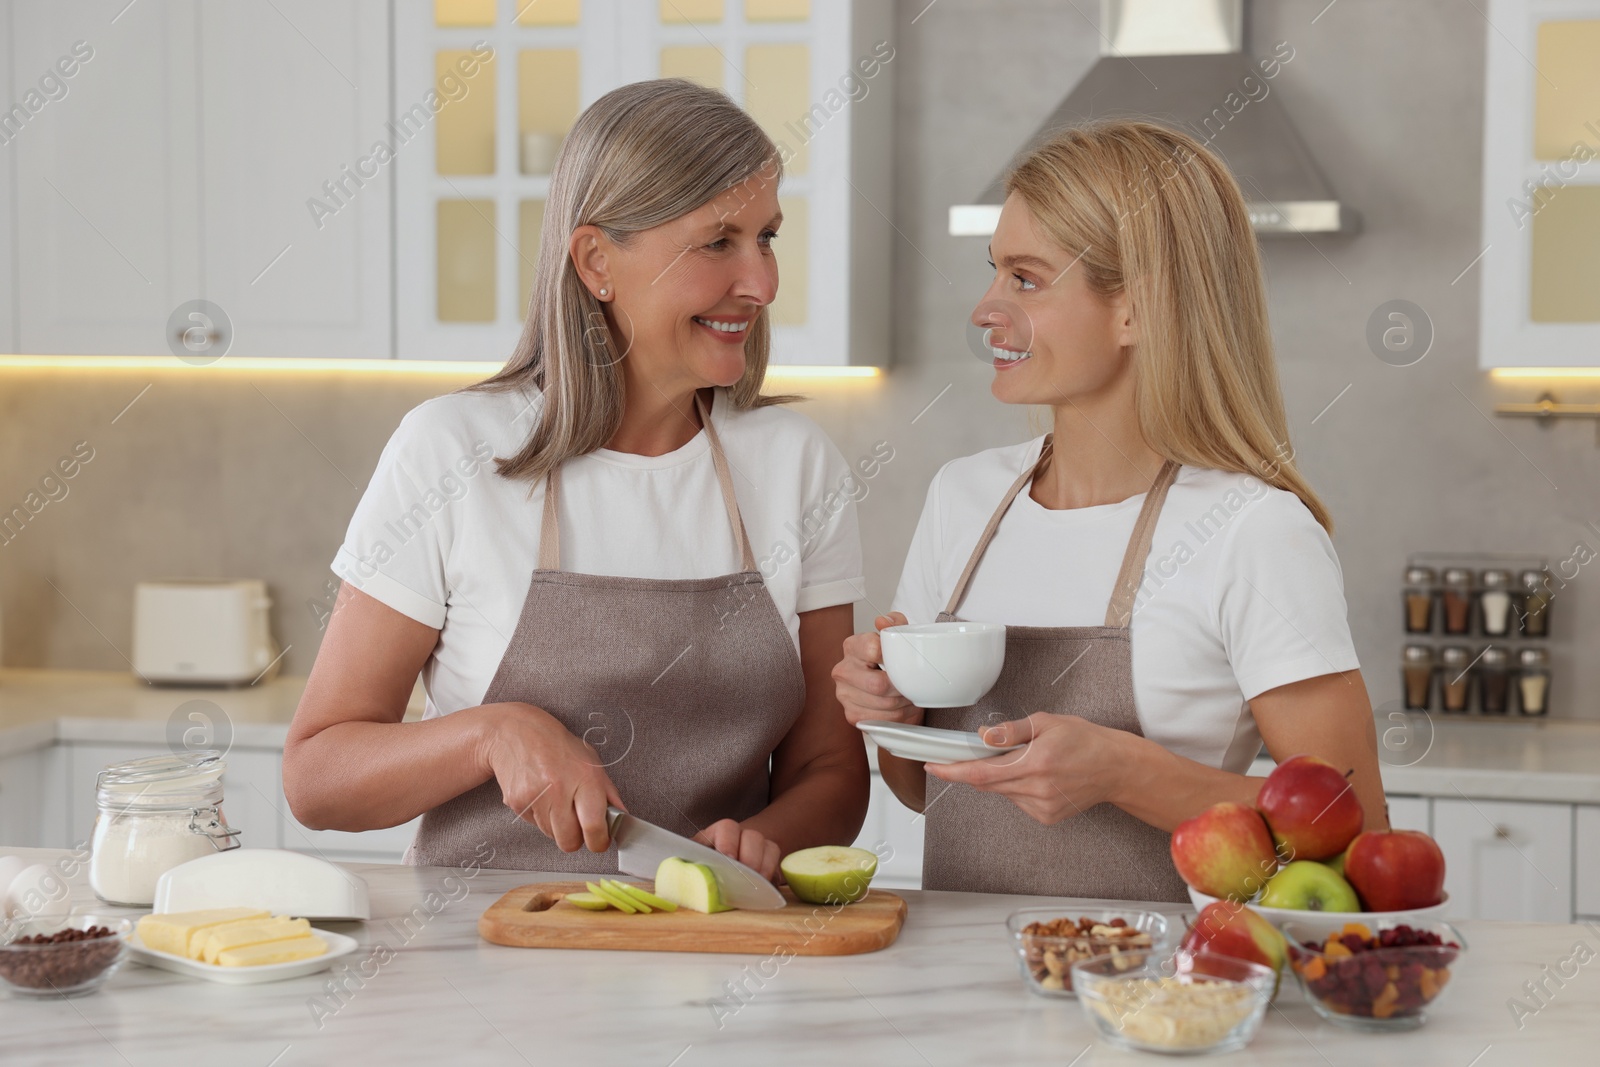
point(203, 631)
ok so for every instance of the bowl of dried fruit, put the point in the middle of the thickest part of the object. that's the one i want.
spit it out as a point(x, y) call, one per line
point(56, 959)
point(1174, 1001)
point(1049, 943)
point(1379, 977)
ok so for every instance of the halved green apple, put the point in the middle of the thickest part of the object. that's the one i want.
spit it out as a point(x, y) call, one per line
point(829, 874)
point(614, 900)
point(640, 894)
point(689, 885)
point(587, 901)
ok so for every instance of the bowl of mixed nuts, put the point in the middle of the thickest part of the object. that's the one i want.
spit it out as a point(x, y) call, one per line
point(55, 959)
point(1048, 943)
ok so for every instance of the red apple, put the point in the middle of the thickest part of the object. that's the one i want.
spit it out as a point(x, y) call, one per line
point(1230, 929)
point(1225, 851)
point(1396, 870)
point(1311, 809)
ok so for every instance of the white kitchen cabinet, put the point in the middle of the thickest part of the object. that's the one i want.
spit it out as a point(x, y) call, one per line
point(1541, 186)
point(1506, 859)
point(107, 230)
point(183, 163)
point(22, 792)
point(295, 226)
point(9, 129)
point(894, 832)
point(1410, 813)
point(470, 213)
point(1586, 860)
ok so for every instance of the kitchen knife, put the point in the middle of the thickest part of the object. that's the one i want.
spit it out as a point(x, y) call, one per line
point(641, 847)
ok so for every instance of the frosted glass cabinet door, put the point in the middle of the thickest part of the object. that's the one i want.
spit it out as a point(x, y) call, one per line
point(106, 180)
point(296, 200)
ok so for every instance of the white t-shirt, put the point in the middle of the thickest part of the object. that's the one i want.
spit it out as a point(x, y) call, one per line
point(441, 537)
point(1241, 593)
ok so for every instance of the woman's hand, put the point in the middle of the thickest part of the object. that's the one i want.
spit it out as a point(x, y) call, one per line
point(1068, 766)
point(549, 777)
point(747, 846)
point(863, 685)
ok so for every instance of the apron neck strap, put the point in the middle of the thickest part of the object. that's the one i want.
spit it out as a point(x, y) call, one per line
point(550, 525)
point(1120, 611)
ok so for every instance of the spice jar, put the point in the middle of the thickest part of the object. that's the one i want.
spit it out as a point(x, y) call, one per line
point(1419, 599)
point(1533, 681)
point(1455, 680)
point(1494, 680)
point(1536, 597)
point(1416, 672)
point(1494, 602)
point(155, 813)
point(1456, 597)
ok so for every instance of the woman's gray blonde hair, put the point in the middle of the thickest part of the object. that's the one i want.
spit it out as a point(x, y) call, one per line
point(642, 155)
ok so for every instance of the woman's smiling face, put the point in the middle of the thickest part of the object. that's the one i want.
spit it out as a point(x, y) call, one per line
point(1056, 340)
point(686, 292)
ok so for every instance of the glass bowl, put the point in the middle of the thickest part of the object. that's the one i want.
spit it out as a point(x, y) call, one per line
point(1174, 1001)
point(62, 968)
point(1046, 956)
point(1388, 987)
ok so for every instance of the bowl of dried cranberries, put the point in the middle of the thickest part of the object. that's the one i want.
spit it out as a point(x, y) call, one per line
point(1379, 977)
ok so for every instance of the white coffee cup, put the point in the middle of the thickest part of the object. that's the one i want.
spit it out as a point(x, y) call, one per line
point(944, 664)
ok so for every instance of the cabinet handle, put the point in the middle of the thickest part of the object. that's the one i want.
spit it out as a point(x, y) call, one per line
point(1503, 833)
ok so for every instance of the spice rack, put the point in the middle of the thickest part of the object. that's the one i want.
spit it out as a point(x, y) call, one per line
point(1477, 635)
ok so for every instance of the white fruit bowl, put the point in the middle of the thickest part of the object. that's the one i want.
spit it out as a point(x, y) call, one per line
point(1325, 921)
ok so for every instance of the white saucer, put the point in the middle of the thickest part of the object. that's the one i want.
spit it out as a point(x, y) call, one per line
point(338, 945)
point(926, 744)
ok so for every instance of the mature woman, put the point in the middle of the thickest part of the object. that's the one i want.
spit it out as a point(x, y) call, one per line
point(1165, 574)
point(589, 616)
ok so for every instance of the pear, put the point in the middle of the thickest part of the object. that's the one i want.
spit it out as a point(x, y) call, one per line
point(829, 874)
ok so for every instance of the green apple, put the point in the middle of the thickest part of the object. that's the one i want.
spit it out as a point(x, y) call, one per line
point(614, 900)
point(1337, 863)
point(638, 893)
point(1306, 885)
point(587, 901)
point(689, 885)
point(829, 874)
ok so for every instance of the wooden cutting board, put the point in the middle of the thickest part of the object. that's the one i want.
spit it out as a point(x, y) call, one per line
point(535, 916)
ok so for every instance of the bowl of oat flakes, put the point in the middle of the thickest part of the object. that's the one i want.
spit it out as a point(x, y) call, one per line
point(1174, 1001)
point(1049, 942)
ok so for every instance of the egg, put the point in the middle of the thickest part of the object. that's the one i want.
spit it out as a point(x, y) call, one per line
point(37, 892)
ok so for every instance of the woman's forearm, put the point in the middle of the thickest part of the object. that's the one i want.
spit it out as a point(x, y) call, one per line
point(1163, 788)
point(825, 805)
point(361, 775)
point(905, 778)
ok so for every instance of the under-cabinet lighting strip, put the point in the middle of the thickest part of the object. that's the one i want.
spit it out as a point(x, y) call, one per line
point(256, 364)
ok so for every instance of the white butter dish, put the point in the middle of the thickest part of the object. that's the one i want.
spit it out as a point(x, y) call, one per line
point(282, 882)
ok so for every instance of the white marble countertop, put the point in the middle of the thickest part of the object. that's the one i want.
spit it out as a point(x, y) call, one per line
point(947, 993)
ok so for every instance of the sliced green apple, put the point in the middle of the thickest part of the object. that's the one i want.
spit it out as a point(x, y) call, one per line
point(829, 874)
point(613, 899)
point(689, 885)
point(639, 893)
point(617, 889)
point(587, 901)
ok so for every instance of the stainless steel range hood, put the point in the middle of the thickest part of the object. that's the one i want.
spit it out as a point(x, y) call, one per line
point(1180, 62)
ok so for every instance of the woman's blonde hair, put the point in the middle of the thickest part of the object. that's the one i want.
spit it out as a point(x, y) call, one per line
point(639, 156)
point(1151, 212)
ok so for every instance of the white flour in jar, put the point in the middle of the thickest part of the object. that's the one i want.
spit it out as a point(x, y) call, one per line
point(132, 850)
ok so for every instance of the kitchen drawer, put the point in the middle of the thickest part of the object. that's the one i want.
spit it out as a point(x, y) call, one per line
point(1586, 856)
point(1506, 859)
point(1410, 813)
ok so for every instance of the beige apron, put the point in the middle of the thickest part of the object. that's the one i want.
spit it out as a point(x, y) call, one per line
point(982, 842)
point(684, 687)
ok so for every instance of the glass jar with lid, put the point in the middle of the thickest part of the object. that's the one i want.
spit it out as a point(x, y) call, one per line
point(1455, 680)
point(1536, 597)
point(1494, 602)
point(1419, 599)
point(1456, 599)
point(1416, 676)
point(155, 813)
point(1533, 681)
point(1494, 680)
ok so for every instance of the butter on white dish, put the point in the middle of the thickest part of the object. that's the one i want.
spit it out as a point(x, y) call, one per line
point(183, 933)
point(270, 879)
point(252, 932)
point(236, 946)
point(944, 664)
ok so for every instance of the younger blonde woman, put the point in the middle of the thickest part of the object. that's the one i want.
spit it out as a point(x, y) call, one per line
point(1170, 593)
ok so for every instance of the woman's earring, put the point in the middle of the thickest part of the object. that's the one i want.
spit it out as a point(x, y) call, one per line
point(602, 292)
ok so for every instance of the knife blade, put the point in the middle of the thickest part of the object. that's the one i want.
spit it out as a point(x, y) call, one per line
point(641, 846)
